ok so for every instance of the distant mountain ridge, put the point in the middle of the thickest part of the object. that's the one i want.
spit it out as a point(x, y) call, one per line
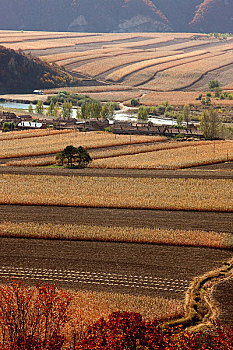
point(118, 15)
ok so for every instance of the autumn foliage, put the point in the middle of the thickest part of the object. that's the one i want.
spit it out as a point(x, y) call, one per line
point(32, 318)
point(125, 330)
point(35, 319)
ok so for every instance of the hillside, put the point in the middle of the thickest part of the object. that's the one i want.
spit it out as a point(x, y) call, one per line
point(118, 15)
point(23, 73)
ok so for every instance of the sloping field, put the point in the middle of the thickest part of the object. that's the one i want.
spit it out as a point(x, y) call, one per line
point(123, 72)
point(159, 61)
point(56, 143)
point(109, 152)
point(184, 157)
point(143, 76)
point(105, 64)
point(68, 41)
point(187, 74)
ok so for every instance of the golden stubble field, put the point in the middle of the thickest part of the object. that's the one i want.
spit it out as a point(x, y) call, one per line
point(152, 61)
point(141, 193)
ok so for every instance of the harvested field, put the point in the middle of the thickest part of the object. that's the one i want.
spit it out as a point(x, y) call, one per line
point(101, 55)
point(106, 64)
point(221, 171)
point(87, 89)
point(106, 217)
point(177, 98)
point(117, 96)
point(223, 297)
point(67, 41)
point(117, 234)
point(122, 73)
point(145, 76)
point(166, 194)
point(114, 152)
point(28, 97)
point(25, 134)
point(102, 258)
point(56, 143)
point(187, 74)
point(184, 157)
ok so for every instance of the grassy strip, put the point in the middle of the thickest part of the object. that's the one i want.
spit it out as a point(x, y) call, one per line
point(117, 234)
point(199, 308)
point(101, 192)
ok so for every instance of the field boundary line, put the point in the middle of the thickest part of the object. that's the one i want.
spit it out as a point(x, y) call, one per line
point(200, 308)
point(175, 209)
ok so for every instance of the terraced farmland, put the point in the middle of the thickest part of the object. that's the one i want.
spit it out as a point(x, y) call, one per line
point(152, 61)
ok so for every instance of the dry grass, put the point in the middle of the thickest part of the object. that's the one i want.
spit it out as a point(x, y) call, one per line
point(214, 152)
point(187, 74)
point(55, 143)
point(165, 194)
point(156, 235)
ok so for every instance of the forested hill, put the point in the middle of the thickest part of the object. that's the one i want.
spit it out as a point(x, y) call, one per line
point(23, 73)
point(118, 15)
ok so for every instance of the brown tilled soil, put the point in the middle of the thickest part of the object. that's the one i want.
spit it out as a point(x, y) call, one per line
point(198, 173)
point(207, 221)
point(223, 295)
point(172, 267)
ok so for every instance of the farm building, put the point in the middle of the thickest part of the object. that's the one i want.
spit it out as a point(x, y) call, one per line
point(24, 125)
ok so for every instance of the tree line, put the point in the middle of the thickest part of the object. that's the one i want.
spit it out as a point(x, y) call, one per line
point(38, 318)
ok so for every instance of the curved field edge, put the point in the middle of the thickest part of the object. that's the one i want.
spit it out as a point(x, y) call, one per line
point(200, 307)
point(127, 234)
point(141, 193)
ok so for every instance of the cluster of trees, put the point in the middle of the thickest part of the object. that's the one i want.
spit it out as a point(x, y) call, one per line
point(62, 105)
point(36, 318)
point(97, 110)
point(168, 111)
point(8, 126)
point(65, 96)
point(21, 72)
point(73, 154)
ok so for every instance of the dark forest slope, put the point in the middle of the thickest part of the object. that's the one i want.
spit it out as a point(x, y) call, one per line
point(23, 73)
point(117, 15)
